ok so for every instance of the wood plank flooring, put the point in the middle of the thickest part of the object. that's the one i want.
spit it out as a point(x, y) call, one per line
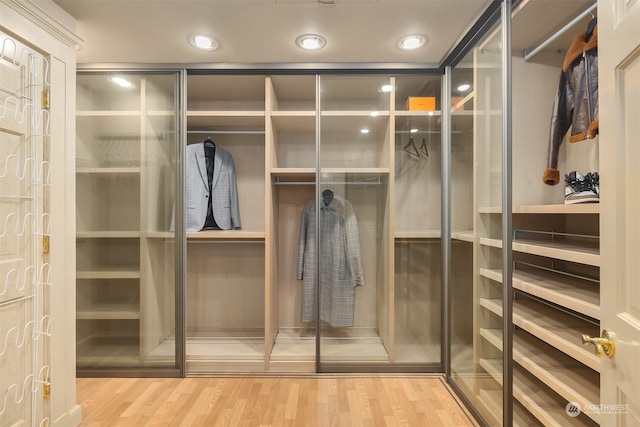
point(314, 401)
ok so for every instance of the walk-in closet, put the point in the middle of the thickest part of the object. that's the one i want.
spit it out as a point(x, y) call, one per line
point(217, 217)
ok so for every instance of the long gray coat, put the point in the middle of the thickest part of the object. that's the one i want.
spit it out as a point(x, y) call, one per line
point(224, 189)
point(340, 262)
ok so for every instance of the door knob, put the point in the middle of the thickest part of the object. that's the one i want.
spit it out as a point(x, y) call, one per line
point(603, 345)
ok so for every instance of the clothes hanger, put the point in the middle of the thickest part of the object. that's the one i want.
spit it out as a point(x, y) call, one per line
point(591, 26)
point(423, 148)
point(411, 148)
point(209, 142)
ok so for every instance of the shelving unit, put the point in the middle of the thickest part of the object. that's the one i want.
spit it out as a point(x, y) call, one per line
point(555, 247)
point(274, 118)
point(125, 148)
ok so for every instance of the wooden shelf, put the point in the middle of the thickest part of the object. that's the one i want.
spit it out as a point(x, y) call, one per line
point(423, 113)
point(567, 377)
point(109, 312)
point(579, 208)
point(465, 236)
point(133, 234)
point(285, 175)
point(494, 243)
point(416, 234)
point(160, 234)
point(570, 292)
point(558, 250)
point(561, 331)
point(115, 171)
point(225, 235)
point(225, 113)
point(542, 403)
point(354, 113)
point(104, 274)
point(99, 351)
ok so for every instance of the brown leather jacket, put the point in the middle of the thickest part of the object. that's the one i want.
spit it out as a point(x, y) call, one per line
point(576, 102)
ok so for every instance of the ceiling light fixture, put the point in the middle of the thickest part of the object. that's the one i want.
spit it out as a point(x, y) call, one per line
point(364, 131)
point(200, 41)
point(311, 41)
point(412, 42)
point(464, 87)
point(386, 88)
point(121, 82)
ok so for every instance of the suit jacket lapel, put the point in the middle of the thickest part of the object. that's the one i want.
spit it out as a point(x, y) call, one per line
point(217, 165)
point(201, 161)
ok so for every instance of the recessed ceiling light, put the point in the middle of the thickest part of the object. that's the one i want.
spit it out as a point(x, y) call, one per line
point(412, 42)
point(311, 41)
point(364, 131)
point(203, 42)
point(464, 87)
point(121, 82)
point(386, 88)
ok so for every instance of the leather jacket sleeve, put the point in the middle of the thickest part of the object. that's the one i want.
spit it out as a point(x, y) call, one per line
point(560, 123)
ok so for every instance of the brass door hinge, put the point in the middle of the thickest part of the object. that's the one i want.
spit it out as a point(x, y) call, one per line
point(45, 244)
point(45, 99)
point(46, 388)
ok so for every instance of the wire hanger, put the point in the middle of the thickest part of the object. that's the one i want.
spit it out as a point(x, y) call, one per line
point(411, 148)
point(423, 148)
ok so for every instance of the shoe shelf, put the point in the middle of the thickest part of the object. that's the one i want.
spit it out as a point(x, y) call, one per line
point(580, 208)
point(551, 367)
point(575, 293)
point(571, 247)
point(560, 330)
point(579, 250)
point(543, 403)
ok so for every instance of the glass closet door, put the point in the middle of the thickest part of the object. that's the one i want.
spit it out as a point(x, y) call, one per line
point(126, 253)
point(476, 285)
point(378, 233)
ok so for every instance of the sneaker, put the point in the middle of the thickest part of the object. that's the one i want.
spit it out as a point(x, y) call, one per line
point(594, 178)
point(579, 189)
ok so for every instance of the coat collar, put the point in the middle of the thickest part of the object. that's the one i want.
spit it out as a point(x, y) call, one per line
point(579, 45)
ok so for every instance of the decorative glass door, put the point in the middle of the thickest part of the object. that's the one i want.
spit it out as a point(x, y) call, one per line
point(25, 228)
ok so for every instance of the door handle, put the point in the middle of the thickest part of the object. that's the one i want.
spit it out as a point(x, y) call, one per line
point(603, 345)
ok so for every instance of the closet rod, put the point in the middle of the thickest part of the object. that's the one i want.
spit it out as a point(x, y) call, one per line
point(226, 132)
point(530, 53)
point(278, 182)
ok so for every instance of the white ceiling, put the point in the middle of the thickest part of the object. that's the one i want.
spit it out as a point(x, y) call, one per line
point(264, 31)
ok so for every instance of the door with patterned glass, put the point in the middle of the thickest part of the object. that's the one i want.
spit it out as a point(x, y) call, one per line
point(24, 233)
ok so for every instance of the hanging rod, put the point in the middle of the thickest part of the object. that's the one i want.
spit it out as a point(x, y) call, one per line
point(227, 132)
point(530, 53)
point(277, 181)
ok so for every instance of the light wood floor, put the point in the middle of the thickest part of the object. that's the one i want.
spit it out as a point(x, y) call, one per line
point(341, 401)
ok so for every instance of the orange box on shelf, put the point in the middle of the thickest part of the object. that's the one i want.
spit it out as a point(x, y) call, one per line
point(421, 103)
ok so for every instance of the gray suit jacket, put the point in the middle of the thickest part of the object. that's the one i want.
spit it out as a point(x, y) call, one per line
point(226, 210)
